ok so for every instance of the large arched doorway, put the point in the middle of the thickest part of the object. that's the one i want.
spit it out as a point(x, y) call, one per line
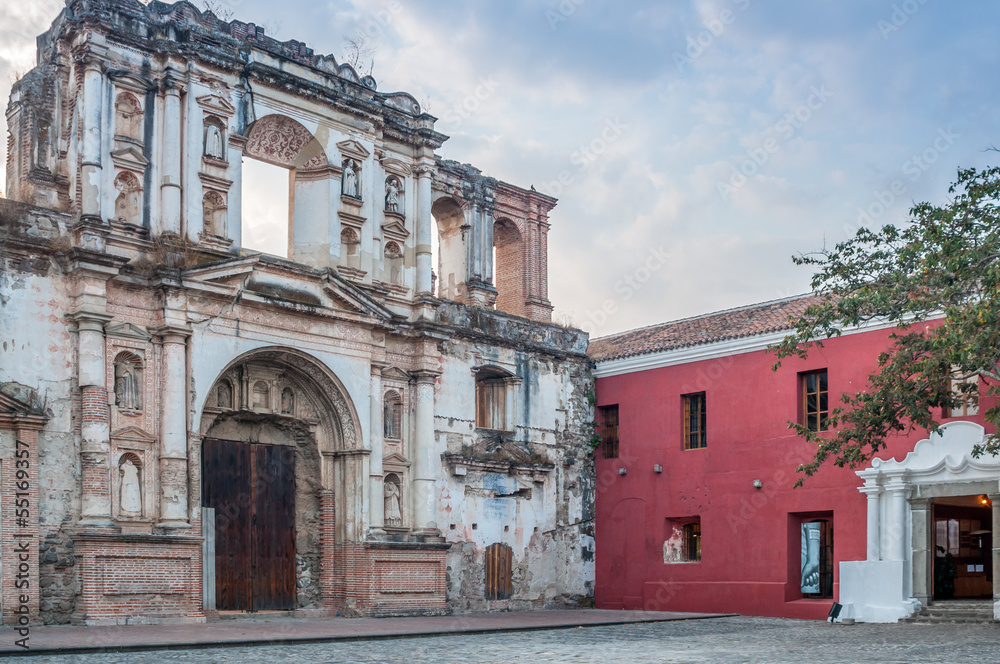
point(276, 429)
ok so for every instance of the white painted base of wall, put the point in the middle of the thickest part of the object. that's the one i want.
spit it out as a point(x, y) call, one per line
point(872, 591)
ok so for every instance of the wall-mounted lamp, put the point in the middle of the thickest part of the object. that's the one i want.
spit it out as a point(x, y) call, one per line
point(757, 484)
point(622, 471)
point(985, 501)
point(657, 468)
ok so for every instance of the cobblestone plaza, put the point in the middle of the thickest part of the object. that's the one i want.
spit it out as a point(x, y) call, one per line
point(716, 641)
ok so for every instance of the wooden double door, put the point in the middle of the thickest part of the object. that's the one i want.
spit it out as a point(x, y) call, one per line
point(251, 486)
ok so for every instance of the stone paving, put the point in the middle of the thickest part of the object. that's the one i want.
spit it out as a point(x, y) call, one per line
point(715, 641)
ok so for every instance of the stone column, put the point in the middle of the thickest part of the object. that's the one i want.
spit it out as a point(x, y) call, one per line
point(424, 230)
point(95, 423)
point(425, 463)
point(995, 535)
point(91, 170)
point(173, 152)
point(873, 491)
point(894, 546)
point(376, 517)
point(923, 556)
point(174, 430)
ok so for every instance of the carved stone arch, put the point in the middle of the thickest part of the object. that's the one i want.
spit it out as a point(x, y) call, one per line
point(314, 378)
point(282, 141)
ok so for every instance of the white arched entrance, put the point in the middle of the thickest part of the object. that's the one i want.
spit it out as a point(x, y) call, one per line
point(897, 579)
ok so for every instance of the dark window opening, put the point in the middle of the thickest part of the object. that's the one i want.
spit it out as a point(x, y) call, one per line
point(815, 400)
point(609, 431)
point(692, 541)
point(694, 421)
point(817, 560)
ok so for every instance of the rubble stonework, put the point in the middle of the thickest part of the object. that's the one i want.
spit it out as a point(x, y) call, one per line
point(429, 411)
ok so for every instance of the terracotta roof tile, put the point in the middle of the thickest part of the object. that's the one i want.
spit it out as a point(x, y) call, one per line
point(746, 321)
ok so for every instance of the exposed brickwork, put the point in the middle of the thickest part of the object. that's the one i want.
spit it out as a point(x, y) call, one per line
point(95, 404)
point(139, 578)
point(521, 237)
point(19, 529)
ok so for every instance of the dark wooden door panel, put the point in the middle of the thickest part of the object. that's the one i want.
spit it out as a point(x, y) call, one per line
point(274, 527)
point(226, 485)
point(252, 489)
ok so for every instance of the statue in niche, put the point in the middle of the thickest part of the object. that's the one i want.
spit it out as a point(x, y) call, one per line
point(129, 200)
point(287, 401)
point(350, 179)
point(393, 516)
point(225, 396)
point(40, 158)
point(213, 142)
point(128, 396)
point(391, 195)
point(129, 488)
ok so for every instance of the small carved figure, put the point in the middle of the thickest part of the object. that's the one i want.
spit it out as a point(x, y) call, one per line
point(350, 179)
point(129, 490)
point(127, 394)
point(225, 396)
point(287, 401)
point(213, 142)
point(393, 517)
point(391, 195)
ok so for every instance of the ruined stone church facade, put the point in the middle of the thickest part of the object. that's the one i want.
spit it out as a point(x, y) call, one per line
point(189, 427)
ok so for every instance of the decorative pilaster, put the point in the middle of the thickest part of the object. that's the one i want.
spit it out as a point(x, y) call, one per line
point(376, 517)
point(174, 430)
point(91, 140)
point(426, 460)
point(95, 424)
point(995, 498)
point(923, 556)
point(424, 230)
point(172, 154)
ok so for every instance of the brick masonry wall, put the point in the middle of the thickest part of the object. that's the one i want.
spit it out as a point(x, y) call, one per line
point(19, 530)
point(131, 579)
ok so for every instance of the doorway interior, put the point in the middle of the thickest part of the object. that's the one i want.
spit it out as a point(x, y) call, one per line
point(963, 547)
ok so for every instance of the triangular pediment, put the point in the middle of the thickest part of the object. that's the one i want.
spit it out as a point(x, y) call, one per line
point(396, 374)
point(352, 148)
point(395, 459)
point(339, 287)
point(393, 228)
point(216, 104)
point(129, 158)
point(133, 433)
point(127, 331)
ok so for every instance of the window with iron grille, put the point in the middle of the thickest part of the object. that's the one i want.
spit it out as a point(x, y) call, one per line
point(694, 421)
point(692, 541)
point(815, 400)
point(609, 431)
point(499, 571)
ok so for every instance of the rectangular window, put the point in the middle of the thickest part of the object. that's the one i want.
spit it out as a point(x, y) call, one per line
point(970, 406)
point(608, 431)
point(694, 421)
point(815, 400)
point(692, 542)
point(491, 404)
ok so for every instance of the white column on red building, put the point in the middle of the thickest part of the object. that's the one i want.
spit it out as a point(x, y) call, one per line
point(174, 430)
point(172, 154)
point(873, 491)
point(995, 499)
point(424, 227)
point(425, 463)
point(375, 497)
point(895, 546)
point(91, 140)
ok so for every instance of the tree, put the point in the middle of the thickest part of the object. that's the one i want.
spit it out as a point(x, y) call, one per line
point(937, 279)
point(359, 52)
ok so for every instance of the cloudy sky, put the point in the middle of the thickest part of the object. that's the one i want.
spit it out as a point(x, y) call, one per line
point(695, 146)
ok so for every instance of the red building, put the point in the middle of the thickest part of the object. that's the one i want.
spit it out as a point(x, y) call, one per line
point(696, 509)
